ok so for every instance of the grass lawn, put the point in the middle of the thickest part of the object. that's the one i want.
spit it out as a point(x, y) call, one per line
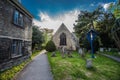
point(75, 68)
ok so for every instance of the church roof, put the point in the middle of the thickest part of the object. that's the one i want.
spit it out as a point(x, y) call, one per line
point(62, 27)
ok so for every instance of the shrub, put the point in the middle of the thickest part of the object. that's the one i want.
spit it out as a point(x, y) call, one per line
point(50, 46)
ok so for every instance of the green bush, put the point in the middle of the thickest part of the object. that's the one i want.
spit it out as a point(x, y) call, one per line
point(50, 46)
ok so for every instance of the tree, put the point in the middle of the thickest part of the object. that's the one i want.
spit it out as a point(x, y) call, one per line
point(37, 38)
point(117, 9)
point(100, 20)
point(50, 46)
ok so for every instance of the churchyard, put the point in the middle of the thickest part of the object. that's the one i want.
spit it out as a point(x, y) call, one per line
point(74, 68)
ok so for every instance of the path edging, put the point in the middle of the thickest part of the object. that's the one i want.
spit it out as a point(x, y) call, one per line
point(111, 57)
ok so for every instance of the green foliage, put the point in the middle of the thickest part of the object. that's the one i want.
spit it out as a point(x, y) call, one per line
point(101, 21)
point(116, 10)
point(75, 68)
point(50, 46)
point(37, 38)
point(10, 73)
point(36, 52)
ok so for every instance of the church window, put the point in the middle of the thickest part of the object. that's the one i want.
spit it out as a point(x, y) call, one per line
point(63, 39)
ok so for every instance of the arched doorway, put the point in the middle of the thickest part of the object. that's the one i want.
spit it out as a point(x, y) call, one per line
point(63, 39)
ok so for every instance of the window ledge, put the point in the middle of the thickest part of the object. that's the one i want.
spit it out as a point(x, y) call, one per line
point(18, 25)
point(15, 56)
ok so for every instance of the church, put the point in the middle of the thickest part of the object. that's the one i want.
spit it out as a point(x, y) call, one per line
point(63, 37)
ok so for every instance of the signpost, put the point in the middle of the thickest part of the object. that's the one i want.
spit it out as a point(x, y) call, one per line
point(91, 35)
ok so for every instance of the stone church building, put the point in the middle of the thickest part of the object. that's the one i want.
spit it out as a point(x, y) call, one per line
point(15, 33)
point(63, 37)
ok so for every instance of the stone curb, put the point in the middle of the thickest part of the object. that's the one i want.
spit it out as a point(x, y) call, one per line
point(112, 57)
point(17, 74)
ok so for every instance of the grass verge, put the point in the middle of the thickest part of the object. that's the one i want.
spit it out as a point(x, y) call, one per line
point(116, 54)
point(11, 73)
point(75, 68)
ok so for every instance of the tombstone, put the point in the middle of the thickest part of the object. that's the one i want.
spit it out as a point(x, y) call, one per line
point(63, 51)
point(89, 63)
point(69, 53)
point(109, 49)
point(119, 53)
point(101, 49)
point(81, 52)
point(53, 54)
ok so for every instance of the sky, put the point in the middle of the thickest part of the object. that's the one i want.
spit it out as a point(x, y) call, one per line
point(52, 13)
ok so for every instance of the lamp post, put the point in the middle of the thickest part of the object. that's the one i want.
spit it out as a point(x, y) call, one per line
point(91, 36)
point(91, 43)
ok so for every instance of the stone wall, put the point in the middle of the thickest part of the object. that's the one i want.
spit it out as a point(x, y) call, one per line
point(70, 42)
point(6, 59)
point(9, 32)
point(5, 44)
point(13, 62)
point(8, 28)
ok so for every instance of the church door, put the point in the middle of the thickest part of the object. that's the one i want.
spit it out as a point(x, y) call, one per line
point(63, 39)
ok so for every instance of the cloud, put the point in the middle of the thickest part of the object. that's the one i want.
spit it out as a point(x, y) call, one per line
point(53, 22)
point(106, 6)
point(92, 4)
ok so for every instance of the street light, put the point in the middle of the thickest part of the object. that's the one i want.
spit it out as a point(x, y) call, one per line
point(91, 36)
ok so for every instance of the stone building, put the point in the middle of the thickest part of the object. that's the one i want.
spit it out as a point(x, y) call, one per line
point(63, 37)
point(15, 33)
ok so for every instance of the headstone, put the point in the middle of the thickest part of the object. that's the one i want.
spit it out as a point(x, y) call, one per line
point(53, 54)
point(63, 51)
point(109, 49)
point(89, 63)
point(101, 49)
point(81, 52)
point(119, 53)
point(69, 53)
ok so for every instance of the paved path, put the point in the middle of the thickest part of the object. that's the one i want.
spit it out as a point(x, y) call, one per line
point(112, 57)
point(38, 69)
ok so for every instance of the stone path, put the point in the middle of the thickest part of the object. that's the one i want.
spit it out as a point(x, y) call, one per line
point(38, 69)
point(112, 57)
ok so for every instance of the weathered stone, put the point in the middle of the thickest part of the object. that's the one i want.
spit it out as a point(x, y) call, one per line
point(101, 49)
point(89, 63)
point(10, 32)
point(70, 39)
point(53, 54)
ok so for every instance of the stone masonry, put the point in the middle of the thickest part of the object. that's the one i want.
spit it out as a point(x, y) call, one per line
point(10, 32)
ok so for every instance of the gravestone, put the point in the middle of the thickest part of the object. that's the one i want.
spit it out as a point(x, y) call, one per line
point(101, 49)
point(69, 53)
point(63, 51)
point(53, 54)
point(81, 52)
point(109, 49)
point(89, 63)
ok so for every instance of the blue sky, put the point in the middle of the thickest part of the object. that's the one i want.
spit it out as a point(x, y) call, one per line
point(54, 7)
point(51, 13)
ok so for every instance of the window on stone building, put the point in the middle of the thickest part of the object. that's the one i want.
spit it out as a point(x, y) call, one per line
point(63, 39)
point(21, 20)
point(16, 48)
point(18, 18)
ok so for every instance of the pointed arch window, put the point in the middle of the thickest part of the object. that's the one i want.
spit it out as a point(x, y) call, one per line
point(63, 39)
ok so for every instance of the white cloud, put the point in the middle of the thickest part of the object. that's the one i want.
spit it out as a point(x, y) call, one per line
point(92, 4)
point(47, 21)
point(106, 6)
